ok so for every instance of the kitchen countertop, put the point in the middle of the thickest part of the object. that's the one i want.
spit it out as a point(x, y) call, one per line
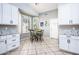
point(8, 34)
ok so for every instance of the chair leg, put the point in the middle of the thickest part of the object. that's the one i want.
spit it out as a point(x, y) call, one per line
point(32, 39)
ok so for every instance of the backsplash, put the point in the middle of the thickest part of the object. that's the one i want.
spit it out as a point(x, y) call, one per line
point(69, 30)
point(6, 30)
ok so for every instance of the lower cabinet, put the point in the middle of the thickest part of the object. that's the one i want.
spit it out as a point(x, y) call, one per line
point(9, 42)
point(63, 42)
point(13, 38)
point(13, 46)
point(74, 46)
point(2, 46)
point(13, 41)
point(70, 44)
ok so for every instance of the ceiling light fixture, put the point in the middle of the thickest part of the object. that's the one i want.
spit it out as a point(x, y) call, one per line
point(36, 3)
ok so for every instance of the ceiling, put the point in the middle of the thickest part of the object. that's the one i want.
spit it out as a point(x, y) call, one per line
point(36, 8)
point(25, 8)
point(43, 7)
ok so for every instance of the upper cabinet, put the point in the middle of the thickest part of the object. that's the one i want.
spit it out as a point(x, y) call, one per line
point(9, 14)
point(64, 13)
point(68, 14)
point(74, 13)
point(15, 15)
point(0, 12)
point(6, 14)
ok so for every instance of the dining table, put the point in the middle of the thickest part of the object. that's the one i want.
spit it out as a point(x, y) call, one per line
point(36, 35)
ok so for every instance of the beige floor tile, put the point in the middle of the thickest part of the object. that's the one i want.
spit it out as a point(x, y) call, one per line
point(55, 49)
point(43, 53)
point(59, 53)
point(50, 53)
point(23, 52)
point(31, 52)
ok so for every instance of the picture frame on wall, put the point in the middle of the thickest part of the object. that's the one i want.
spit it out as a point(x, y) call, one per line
point(41, 24)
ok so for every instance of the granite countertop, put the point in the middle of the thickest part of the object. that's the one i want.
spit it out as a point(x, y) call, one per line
point(71, 33)
point(8, 34)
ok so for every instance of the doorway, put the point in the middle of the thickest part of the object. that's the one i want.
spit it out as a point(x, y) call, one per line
point(53, 28)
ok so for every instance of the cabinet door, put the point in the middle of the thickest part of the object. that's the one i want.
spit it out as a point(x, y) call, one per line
point(63, 43)
point(74, 45)
point(2, 46)
point(64, 13)
point(13, 40)
point(13, 46)
point(75, 13)
point(6, 14)
point(15, 15)
point(0, 13)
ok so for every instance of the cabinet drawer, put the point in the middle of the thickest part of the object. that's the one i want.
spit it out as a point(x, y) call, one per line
point(12, 40)
point(9, 36)
point(2, 42)
point(15, 35)
point(2, 37)
point(13, 46)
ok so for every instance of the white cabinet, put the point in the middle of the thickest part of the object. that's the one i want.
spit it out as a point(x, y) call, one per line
point(63, 42)
point(3, 48)
point(9, 14)
point(13, 38)
point(13, 41)
point(69, 43)
point(64, 13)
point(74, 11)
point(15, 15)
point(3, 44)
point(6, 14)
point(68, 14)
point(9, 42)
point(13, 46)
point(0, 13)
point(74, 45)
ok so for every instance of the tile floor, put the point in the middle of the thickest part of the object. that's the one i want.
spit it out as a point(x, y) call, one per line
point(46, 47)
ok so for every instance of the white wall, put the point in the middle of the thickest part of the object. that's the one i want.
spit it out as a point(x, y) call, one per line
point(50, 14)
point(53, 28)
point(19, 23)
point(46, 16)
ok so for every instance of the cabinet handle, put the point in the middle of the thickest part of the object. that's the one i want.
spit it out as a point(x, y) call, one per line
point(68, 36)
point(70, 21)
point(13, 35)
point(68, 41)
point(5, 41)
point(13, 45)
point(14, 40)
point(11, 22)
